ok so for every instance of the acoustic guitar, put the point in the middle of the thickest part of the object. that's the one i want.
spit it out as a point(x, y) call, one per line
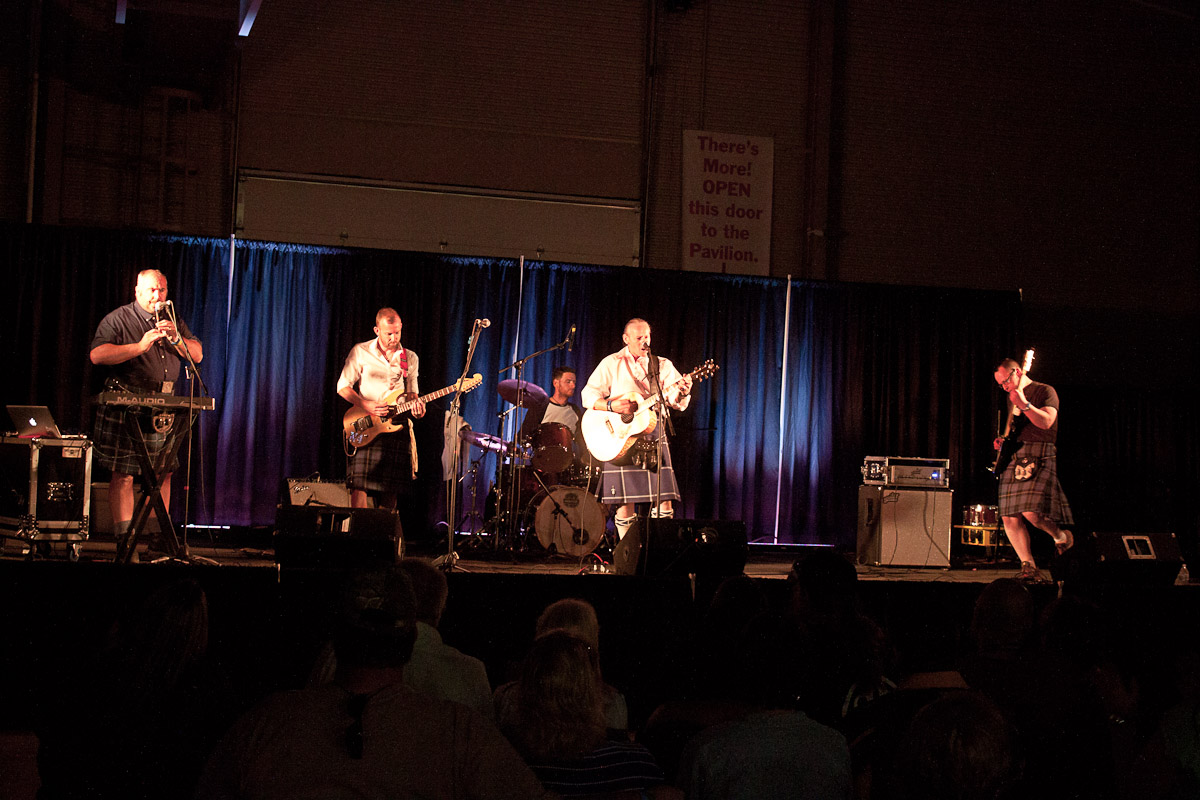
point(609, 435)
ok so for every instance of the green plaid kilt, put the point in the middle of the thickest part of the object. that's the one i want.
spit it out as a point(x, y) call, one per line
point(632, 484)
point(382, 466)
point(116, 448)
point(1041, 492)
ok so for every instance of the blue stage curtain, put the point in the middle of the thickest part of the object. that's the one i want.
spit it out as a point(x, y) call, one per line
point(267, 368)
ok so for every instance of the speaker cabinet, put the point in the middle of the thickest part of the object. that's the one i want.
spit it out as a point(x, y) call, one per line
point(320, 536)
point(1133, 559)
point(904, 527)
point(708, 547)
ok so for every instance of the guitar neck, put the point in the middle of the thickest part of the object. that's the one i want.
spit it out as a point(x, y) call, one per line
point(425, 398)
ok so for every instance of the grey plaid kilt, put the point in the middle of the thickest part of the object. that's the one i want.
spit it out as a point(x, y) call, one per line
point(631, 484)
point(1042, 492)
point(382, 466)
point(115, 447)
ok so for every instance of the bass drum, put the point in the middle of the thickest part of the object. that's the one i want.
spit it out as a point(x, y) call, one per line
point(578, 529)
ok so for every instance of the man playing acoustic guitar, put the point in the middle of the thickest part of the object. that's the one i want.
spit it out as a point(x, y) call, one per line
point(1029, 488)
point(374, 370)
point(638, 475)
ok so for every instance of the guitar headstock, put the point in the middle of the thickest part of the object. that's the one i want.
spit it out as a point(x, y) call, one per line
point(1028, 360)
point(705, 370)
point(467, 384)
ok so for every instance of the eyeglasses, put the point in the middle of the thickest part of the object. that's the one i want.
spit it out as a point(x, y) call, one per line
point(1008, 380)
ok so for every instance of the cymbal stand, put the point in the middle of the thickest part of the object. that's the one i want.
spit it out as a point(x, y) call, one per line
point(504, 485)
point(519, 366)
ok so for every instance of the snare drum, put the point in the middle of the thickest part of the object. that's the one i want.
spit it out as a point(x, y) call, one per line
point(978, 516)
point(578, 529)
point(552, 447)
point(586, 476)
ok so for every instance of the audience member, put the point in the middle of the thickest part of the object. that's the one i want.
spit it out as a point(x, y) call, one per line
point(774, 750)
point(958, 747)
point(138, 720)
point(558, 724)
point(848, 656)
point(367, 734)
point(713, 664)
point(578, 618)
point(436, 668)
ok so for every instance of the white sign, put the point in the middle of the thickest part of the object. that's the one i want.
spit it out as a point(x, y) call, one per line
point(726, 202)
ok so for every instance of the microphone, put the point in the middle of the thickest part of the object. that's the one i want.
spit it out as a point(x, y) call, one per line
point(571, 339)
point(483, 323)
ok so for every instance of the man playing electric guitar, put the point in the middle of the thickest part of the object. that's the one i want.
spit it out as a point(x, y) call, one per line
point(616, 380)
point(1029, 488)
point(374, 370)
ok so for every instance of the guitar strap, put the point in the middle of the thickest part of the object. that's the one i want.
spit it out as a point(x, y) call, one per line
point(638, 372)
point(412, 448)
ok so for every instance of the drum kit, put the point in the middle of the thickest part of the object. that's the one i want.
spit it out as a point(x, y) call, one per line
point(544, 485)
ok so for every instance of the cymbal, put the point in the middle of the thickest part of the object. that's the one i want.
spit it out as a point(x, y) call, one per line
point(531, 393)
point(484, 441)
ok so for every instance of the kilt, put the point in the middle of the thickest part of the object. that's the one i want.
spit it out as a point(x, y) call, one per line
point(632, 484)
point(1042, 492)
point(115, 447)
point(382, 466)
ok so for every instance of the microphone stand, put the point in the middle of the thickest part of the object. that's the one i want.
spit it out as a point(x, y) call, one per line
point(449, 561)
point(660, 439)
point(193, 372)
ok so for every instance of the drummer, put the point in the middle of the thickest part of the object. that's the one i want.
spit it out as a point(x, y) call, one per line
point(557, 407)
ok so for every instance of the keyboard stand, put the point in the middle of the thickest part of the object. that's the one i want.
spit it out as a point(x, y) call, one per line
point(151, 481)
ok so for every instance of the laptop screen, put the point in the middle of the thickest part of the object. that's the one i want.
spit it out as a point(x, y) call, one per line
point(33, 421)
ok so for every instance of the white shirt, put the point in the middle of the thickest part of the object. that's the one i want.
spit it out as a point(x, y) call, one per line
point(621, 372)
point(374, 376)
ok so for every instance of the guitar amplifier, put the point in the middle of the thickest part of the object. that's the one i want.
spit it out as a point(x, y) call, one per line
point(904, 527)
point(926, 473)
point(316, 493)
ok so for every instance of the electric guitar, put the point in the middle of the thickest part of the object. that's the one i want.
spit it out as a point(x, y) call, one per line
point(1010, 440)
point(609, 435)
point(359, 428)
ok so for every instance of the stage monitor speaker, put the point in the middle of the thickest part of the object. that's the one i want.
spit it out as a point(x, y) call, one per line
point(1133, 559)
point(904, 527)
point(708, 547)
point(304, 492)
point(326, 536)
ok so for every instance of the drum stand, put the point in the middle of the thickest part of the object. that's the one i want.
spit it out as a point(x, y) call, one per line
point(472, 514)
point(505, 513)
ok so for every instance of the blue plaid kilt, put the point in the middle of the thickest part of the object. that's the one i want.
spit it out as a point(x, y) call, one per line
point(1042, 492)
point(116, 448)
point(382, 466)
point(632, 484)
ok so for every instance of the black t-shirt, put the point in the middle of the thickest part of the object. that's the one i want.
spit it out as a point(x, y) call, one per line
point(1040, 395)
point(127, 325)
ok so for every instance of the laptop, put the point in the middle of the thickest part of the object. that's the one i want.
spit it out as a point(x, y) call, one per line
point(34, 421)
